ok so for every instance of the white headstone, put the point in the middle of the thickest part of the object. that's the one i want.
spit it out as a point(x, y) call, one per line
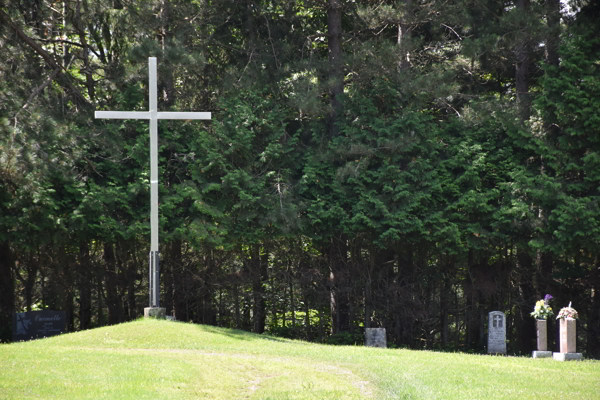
point(497, 332)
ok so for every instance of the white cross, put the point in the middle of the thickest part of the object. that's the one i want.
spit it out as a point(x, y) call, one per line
point(153, 115)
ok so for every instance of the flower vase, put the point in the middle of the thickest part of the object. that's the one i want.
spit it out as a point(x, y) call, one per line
point(542, 334)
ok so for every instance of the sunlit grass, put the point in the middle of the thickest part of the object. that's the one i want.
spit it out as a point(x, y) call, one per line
point(151, 359)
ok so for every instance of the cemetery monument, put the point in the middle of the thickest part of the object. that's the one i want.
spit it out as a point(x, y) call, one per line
point(38, 324)
point(568, 335)
point(154, 309)
point(541, 313)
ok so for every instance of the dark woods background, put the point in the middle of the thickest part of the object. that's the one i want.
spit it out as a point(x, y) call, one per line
point(406, 164)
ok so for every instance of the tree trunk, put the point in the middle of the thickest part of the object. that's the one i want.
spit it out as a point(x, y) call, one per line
point(166, 73)
point(85, 283)
point(132, 277)
point(593, 339)
point(29, 282)
point(403, 45)
point(100, 290)
point(113, 300)
point(339, 290)
point(444, 302)
point(522, 64)
point(292, 299)
point(369, 287)
point(236, 305)
point(250, 30)
point(552, 41)
point(7, 291)
point(274, 316)
point(166, 278)
point(178, 278)
point(525, 329)
point(307, 319)
point(208, 313)
point(259, 274)
point(336, 72)
point(87, 70)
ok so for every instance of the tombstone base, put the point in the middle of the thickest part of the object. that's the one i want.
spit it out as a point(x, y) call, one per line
point(155, 312)
point(542, 354)
point(567, 356)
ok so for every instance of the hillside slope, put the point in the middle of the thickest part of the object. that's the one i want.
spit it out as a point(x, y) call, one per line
point(151, 359)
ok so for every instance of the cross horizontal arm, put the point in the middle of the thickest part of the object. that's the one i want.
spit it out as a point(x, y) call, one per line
point(183, 115)
point(148, 115)
point(122, 114)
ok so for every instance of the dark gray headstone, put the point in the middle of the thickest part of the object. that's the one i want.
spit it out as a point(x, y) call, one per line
point(38, 324)
point(375, 337)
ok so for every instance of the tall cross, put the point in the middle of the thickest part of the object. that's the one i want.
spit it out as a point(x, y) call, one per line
point(153, 115)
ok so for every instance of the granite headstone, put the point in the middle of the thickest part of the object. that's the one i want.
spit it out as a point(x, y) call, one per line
point(375, 337)
point(541, 326)
point(38, 324)
point(568, 341)
point(496, 333)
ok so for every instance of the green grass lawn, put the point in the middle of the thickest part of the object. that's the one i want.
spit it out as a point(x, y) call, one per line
point(152, 359)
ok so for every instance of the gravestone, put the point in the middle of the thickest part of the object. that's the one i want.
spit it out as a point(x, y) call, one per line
point(542, 339)
point(542, 334)
point(38, 324)
point(375, 337)
point(496, 333)
point(568, 342)
point(568, 332)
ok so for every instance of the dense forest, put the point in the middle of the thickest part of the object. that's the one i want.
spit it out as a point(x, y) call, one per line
point(407, 164)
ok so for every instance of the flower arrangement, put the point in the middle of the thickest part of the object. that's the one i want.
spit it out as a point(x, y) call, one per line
point(567, 312)
point(542, 310)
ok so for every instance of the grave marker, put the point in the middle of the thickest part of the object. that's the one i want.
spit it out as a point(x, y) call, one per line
point(496, 332)
point(567, 336)
point(568, 341)
point(375, 337)
point(38, 324)
point(542, 339)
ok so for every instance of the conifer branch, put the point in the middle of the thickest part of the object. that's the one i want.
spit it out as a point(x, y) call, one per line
point(61, 78)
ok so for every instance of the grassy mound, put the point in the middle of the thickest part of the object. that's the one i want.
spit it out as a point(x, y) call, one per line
point(152, 359)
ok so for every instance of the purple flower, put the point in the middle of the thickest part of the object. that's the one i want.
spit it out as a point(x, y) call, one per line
point(547, 297)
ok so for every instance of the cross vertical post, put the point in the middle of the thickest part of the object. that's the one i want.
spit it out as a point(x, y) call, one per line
point(154, 282)
point(153, 115)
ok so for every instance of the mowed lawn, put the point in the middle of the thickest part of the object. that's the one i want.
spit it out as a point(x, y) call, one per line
point(153, 359)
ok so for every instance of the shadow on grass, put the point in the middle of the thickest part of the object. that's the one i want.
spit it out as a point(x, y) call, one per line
point(238, 334)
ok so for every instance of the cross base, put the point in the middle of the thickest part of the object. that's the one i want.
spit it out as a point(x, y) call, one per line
point(155, 312)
